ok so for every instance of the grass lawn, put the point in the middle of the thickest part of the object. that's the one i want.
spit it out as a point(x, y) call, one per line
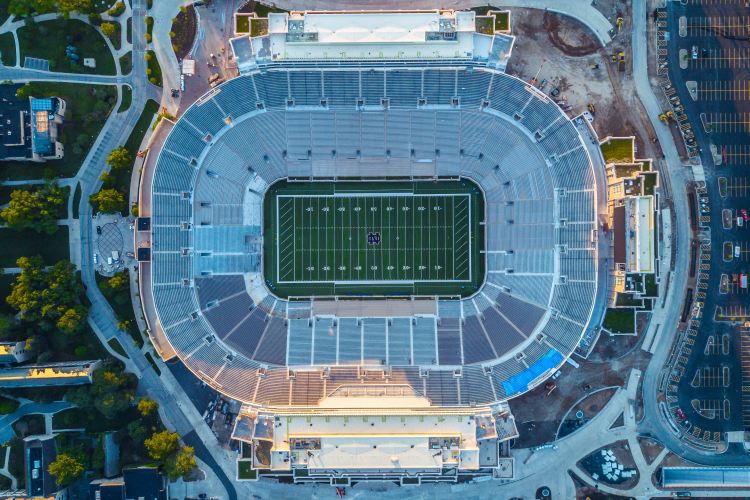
point(150, 359)
point(619, 320)
point(153, 69)
point(52, 247)
point(502, 21)
point(60, 33)
point(16, 461)
point(29, 424)
point(126, 63)
point(243, 24)
point(103, 5)
point(184, 28)
point(87, 109)
point(618, 150)
point(652, 289)
point(123, 307)
point(149, 27)
point(130, 30)
point(127, 98)
point(244, 470)
point(116, 39)
point(76, 200)
point(7, 49)
point(141, 127)
point(649, 182)
point(3, 10)
point(117, 347)
point(7, 405)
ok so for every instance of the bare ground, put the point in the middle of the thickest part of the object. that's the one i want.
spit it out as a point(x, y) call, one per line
point(650, 449)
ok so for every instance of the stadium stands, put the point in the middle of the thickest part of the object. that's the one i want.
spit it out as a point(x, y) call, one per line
point(285, 121)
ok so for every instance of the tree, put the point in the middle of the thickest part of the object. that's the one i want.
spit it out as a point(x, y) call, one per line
point(147, 406)
point(182, 463)
point(66, 469)
point(109, 29)
point(108, 200)
point(162, 444)
point(66, 7)
point(119, 282)
point(137, 431)
point(49, 297)
point(34, 209)
point(107, 178)
point(72, 320)
point(111, 391)
point(119, 158)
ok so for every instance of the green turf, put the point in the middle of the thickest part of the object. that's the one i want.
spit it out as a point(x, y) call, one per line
point(57, 35)
point(127, 99)
point(126, 63)
point(7, 49)
point(430, 238)
point(52, 247)
point(618, 150)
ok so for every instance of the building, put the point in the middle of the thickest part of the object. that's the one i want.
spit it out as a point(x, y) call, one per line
point(387, 430)
point(420, 96)
point(13, 352)
point(39, 452)
point(705, 478)
point(30, 128)
point(137, 483)
point(372, 35)
point(49, 374)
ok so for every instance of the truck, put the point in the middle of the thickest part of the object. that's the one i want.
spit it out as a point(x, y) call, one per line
point(743, 280)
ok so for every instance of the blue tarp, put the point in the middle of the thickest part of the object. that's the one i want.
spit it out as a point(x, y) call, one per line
point(520, 383)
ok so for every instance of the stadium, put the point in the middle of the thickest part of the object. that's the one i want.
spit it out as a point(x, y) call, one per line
point(392, 218)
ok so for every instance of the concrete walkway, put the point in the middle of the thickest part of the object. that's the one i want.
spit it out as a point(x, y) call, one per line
point(28, 408)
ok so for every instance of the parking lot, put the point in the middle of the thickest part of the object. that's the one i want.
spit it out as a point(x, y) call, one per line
point(712, 35)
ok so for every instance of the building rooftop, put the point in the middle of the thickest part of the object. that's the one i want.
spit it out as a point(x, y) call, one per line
point(42, 113)
point(65, 373)
point(371, 35)
point(14, 124)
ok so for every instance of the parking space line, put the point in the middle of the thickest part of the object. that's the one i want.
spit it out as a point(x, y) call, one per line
point(724, 90)
point(729, 58)
point(729, 123)
point(737, 187)
point(727, 26)
point(716, 2)
point(735, 154)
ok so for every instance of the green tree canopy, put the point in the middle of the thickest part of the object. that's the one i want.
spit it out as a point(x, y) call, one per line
point(111, 391)
point(66, 469)
point(119, 158)
point(147, 406)
point(34, 209)
point(50, 297)
point(108, 200)
point(181, 463)
point(162, 444)
point(109, 29)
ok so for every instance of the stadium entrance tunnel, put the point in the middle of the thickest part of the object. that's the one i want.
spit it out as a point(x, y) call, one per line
point(374, 238)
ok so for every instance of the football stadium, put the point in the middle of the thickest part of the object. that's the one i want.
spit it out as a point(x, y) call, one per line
point(373, 238)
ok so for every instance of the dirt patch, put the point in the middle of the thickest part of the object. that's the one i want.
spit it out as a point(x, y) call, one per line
point(650, 449)
point(588, 408)
point(569, 35)
point(538, 415)
point(584, 491)
point(183, 32)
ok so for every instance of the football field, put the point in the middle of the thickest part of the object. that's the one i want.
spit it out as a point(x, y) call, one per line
point(374, 238)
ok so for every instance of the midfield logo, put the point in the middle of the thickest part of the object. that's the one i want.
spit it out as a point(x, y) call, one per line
point(373, 238)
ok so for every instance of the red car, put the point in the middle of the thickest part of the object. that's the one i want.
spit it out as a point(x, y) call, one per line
point(680, 414)
point(744, 214)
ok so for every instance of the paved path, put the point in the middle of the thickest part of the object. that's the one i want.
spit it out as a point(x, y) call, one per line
point(583, 10)
point(665, 318)
point(30, 408)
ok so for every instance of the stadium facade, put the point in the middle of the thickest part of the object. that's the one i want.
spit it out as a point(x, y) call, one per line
point(414, 387)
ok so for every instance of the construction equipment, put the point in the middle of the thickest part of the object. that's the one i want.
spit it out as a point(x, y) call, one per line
point(619, 24)
point(592, 109)
point(665, 117)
